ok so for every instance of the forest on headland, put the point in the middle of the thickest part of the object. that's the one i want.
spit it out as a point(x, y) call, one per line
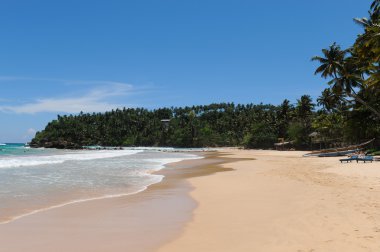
point(346, 112)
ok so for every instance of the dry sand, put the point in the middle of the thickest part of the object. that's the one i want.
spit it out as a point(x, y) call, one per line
point(283, 202)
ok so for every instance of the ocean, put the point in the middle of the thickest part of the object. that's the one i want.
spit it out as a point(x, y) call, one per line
point(34, 180)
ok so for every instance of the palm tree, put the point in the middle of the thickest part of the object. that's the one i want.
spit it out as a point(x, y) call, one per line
point(375, 6)
point(345, 73)
point(305, 106)
point(368, 22)
point(367, 45)
point(284, 118)
point(328, 100)
point(348, 80)
point(332, 62)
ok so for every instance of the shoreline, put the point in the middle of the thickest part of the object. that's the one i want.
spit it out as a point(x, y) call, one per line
point(78, 217)
point(269, 201)
point(155, 171)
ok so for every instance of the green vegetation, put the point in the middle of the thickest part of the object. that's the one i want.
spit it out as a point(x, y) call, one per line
point(225, 124)
point(354, 73)
point(213, 125)
point(348, 111)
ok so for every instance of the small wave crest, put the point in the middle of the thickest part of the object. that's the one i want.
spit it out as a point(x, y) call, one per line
point(12, 162)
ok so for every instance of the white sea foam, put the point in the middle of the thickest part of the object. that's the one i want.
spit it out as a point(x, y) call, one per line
point(110, 178)
point(22, 161)
point(171, 149)
point(164, 161)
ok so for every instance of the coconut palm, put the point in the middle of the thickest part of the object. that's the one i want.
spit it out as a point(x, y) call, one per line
point(328, 100)
point(345, 73)
point(305, 106)
point(367, 45)
point(331, 62)
point(375, 6)
point(346, 76)
point(349, 80)
point(368, 22)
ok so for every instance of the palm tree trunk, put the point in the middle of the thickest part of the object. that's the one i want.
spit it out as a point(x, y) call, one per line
point(361, 101)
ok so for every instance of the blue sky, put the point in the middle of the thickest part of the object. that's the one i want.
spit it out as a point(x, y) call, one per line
point(60, 57)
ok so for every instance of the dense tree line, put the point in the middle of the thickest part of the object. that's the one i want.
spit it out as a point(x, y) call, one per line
point(224, 124)
point(348, 111)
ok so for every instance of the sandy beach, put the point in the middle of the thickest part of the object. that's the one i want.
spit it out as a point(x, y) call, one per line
point(263, 201)
point(283, 202)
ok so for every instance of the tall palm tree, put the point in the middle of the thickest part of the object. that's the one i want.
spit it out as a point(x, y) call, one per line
point(331, 62)
point(367, 22)
point(284, 118)
point(285, 109)
point(348, 80)
point(367, 45)
point(305, 106)
point(345, 73)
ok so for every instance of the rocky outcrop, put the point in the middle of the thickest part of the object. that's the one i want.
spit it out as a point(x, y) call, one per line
point(59, 144)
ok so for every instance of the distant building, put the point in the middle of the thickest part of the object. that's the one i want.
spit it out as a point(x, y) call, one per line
point(165, 123)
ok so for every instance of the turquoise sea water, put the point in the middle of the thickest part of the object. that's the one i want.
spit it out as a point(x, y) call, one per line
point(16, 149)
point(33, 180)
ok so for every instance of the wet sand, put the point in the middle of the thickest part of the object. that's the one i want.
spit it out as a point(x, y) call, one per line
point(140, 222)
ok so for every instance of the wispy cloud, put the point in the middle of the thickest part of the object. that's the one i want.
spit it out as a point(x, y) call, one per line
point(98, 99)
point(9, 78)
point(30, 133)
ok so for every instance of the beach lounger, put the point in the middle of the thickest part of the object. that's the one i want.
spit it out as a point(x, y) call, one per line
point(347, 159)
point(365, 159)
point(350, 159)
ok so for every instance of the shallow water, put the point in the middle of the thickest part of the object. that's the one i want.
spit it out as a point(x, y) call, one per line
point(33, 180)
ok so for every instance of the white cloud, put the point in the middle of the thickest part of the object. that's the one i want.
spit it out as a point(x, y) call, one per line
point(95, 100)
point(29, 134)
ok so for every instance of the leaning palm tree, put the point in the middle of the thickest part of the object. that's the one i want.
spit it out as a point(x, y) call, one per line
point(348, 80)
point(346, 76)
point(331, 62)
point(367, 46)
point(368, 22)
